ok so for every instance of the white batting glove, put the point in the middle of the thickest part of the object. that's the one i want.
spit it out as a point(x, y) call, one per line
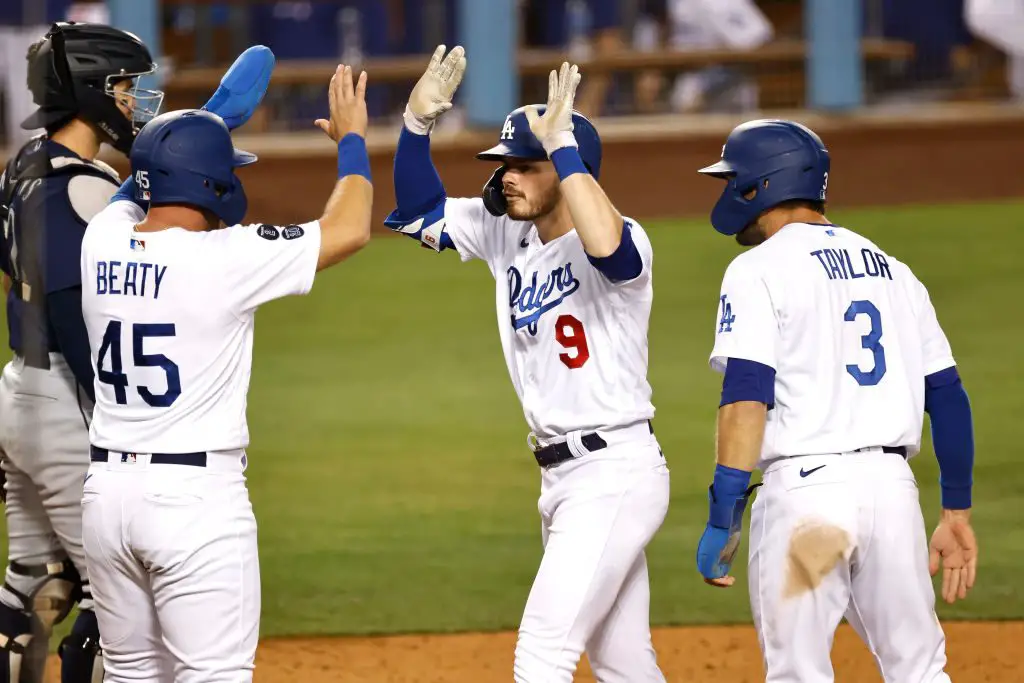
point(432, 94)
point(554, 128)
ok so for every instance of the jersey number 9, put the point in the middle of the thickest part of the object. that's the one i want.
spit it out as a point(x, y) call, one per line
point(116, 377)
point(569, 333)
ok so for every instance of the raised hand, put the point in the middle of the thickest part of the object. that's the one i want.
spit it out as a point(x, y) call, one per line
point(432, 94)
point(554, 127)
point(348, 105)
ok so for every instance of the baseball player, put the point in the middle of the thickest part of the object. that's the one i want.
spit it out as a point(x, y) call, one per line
point(82, 78)
point(169, 302)
point(831, 354)
point(573, 289)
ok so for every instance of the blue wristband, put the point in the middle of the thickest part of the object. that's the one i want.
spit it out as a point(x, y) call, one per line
point(730, 484)
point(567, 161)
point(352, 157)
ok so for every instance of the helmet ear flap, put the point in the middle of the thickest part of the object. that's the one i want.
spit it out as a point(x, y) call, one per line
point(494, 193)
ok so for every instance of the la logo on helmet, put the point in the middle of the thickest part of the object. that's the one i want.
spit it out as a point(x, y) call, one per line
point(507, 131)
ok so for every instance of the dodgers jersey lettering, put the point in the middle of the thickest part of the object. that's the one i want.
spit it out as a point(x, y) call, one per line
point(170, 321)
point(575, 343)
point(849, 330)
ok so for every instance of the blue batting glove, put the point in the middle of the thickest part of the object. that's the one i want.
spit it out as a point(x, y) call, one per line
point(243, 86)
point(728, 497)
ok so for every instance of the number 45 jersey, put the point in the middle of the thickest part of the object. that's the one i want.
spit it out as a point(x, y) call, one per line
point(849, 330)
point(575, 342)
point(170, 322)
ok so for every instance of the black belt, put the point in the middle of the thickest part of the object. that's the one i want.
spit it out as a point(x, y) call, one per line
point(898, 450)
point(197, 459)
point(559, 452)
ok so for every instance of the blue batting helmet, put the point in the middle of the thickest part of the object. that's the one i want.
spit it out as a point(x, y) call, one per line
point(518, 141)
point(188, 158)
point(764, 163)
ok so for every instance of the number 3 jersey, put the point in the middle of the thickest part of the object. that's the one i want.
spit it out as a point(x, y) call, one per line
point(170, 322)
point(574, 341)
point(849, 330)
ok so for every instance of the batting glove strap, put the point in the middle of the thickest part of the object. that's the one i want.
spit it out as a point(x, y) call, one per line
point(417, 124)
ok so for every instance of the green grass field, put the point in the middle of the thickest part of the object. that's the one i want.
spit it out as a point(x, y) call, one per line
point(388, 465)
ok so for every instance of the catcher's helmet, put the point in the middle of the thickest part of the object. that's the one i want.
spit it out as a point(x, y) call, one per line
point(764, 163)
point(72, 72)
point(518, 141)
point(188, 158)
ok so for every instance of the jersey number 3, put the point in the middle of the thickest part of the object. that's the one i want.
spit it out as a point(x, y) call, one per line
point(116, 377)
point(870, 341)
point(569, 333)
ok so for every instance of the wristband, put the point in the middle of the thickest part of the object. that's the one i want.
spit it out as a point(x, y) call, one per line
point(729, 485)
point(567, 161)
point(352, 157)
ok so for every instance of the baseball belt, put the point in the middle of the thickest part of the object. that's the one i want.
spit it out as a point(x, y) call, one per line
point(898, 450)
point(197, 459)
point(560, 452)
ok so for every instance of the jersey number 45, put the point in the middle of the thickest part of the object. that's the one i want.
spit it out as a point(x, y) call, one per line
point(116, 377)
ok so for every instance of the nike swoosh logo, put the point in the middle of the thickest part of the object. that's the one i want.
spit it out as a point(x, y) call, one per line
point(804, 473)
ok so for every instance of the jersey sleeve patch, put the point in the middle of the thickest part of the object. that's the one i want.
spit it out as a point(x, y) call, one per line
point(746, 325)
point(267, 262)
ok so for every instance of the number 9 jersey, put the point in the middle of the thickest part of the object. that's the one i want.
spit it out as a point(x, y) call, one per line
point(170, 320)
point(575, 342)
point(850, 332)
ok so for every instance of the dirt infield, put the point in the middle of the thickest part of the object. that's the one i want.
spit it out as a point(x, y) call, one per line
point(979, 652)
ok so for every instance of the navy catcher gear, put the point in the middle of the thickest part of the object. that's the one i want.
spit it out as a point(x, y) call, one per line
point(764, 163)
point(72, 73)
point(518, 141)
point(186, 157)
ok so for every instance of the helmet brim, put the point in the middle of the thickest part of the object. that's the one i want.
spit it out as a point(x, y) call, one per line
point(501, 151)
point(38, 119)
point(243, 158)
point(721, 169)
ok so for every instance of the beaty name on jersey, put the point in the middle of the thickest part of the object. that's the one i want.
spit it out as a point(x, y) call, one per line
point(529, 303)
point(839, 265)
point(129, 278)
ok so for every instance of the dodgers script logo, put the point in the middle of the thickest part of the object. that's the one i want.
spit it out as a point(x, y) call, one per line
point(529, 303)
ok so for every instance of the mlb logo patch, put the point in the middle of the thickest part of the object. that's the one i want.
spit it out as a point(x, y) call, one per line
point(128, 457)
point(137, 245)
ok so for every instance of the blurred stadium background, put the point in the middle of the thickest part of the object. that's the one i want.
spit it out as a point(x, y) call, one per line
point(393, 490)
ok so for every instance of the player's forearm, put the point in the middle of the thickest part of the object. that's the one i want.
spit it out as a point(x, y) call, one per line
point(345, 224)
point(597, 221)
point(948, 406)
point(418, 187)
point(740, 433)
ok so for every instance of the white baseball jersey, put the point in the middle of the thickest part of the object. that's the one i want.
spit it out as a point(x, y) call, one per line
point(574, 341)
point(170, 322)
point(849, 330)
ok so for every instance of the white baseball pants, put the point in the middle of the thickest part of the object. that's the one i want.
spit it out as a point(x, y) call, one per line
point(598, 513)
point(843, 535)
point(175, 569)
